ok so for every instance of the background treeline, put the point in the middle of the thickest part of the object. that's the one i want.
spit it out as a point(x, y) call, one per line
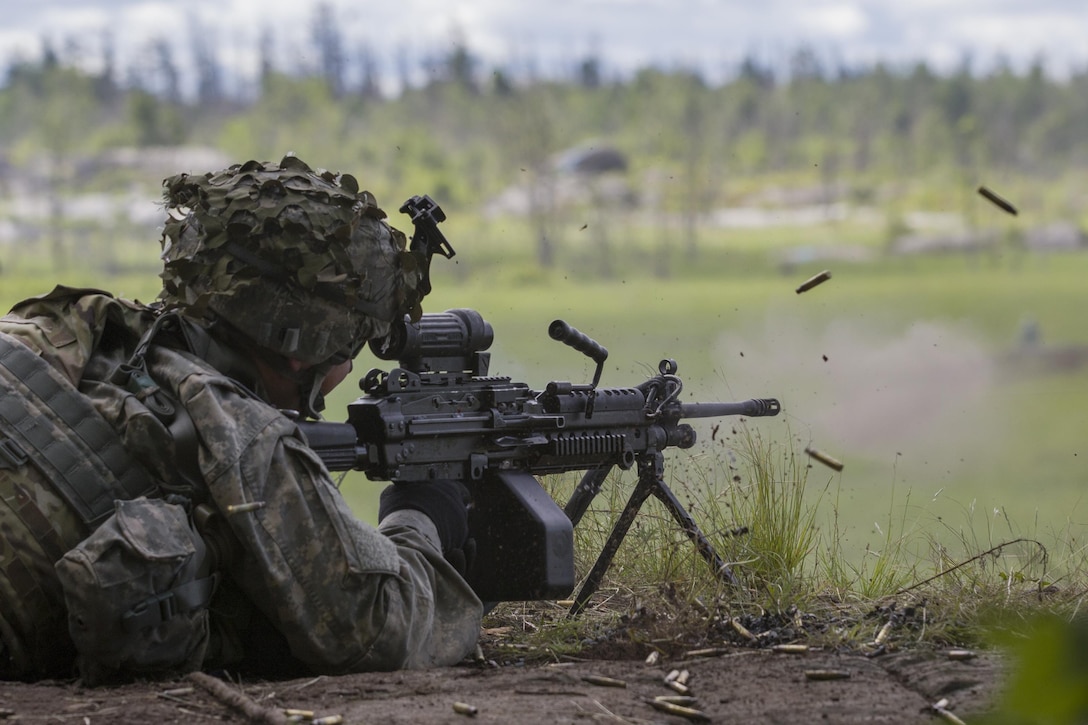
point(465, 131)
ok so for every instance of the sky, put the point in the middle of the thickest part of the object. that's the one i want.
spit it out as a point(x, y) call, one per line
point(710, 35)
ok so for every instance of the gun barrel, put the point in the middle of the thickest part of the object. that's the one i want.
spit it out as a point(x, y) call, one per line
point(754, 408)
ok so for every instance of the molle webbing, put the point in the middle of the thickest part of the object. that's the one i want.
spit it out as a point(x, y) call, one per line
point(71, 444)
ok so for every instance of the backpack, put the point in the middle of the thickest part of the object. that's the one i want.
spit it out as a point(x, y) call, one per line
point(134, 592)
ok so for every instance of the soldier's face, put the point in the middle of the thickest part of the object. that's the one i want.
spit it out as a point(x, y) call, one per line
point(282, 387)
point(335, 376)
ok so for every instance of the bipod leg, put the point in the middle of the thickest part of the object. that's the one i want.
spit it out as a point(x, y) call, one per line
point(665, 495)
point(648, 476)
point(584, 493)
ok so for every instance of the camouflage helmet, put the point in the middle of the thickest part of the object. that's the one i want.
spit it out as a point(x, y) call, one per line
point(299, 261)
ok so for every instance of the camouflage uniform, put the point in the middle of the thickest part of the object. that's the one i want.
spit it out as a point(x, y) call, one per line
point(307, 585)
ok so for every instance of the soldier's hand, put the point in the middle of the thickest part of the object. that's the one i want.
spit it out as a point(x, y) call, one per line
point(444, 502)
point(462, 558)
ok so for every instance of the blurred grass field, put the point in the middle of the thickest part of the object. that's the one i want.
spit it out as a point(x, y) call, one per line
point(912, 396)
point(894, 366)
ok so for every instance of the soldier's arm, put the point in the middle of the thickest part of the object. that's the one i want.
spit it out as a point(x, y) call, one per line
point(347, 596)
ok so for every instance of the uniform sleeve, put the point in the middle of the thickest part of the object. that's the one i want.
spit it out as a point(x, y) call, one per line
point(347, 597)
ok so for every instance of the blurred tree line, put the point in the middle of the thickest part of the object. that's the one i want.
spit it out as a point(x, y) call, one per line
point(465, 131)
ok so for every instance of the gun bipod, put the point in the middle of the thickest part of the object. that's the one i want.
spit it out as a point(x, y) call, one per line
point(650, 482)
point(584, 493)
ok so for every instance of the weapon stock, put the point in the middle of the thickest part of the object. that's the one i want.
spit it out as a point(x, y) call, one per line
point(440, 415)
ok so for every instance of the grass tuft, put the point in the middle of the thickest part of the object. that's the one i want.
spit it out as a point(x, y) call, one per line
point(924, 584)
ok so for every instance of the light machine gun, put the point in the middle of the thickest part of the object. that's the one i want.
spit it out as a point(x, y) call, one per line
point(439, 415)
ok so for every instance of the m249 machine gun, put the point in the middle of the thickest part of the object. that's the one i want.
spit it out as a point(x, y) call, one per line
point(440, 415)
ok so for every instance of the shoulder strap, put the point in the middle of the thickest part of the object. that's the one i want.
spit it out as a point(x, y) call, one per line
point(135, 377)
point(75, 448)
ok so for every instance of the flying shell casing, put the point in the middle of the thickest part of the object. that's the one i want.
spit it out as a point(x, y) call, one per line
point(940, 708)
point(827, 675)
point(790, 649)
point(684, 700)
point(742, 630)
point(463, 708)
point(814, 280)
point(678, 687)
point(825, 459)
point(997, 200)
point(241, 508)
point(960, 654)
point(708, 652)
point(679, 710)
point(883, 633)
point(604, 681)
point(299, 714)
point(177, 692)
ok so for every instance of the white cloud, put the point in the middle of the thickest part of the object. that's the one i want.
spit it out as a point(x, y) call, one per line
point(836, 21)
point(626, 33)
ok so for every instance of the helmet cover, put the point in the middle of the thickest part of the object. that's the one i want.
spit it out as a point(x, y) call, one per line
point(299, 261)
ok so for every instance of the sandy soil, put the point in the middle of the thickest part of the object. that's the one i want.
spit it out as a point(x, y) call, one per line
point(730, 685)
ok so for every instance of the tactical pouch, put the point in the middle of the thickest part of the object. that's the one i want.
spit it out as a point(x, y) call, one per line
point(137, 593)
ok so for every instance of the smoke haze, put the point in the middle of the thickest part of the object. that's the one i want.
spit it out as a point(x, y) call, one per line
point(918, 391)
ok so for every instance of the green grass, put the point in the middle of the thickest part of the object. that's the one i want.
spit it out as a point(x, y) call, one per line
point(947, 454)
point(995, 442)
point(959, 436)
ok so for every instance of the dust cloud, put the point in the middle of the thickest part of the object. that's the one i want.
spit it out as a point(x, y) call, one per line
point(870, 390)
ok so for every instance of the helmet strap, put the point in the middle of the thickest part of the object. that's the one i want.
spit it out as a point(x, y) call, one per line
point(313, 401)
point(242, 348)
